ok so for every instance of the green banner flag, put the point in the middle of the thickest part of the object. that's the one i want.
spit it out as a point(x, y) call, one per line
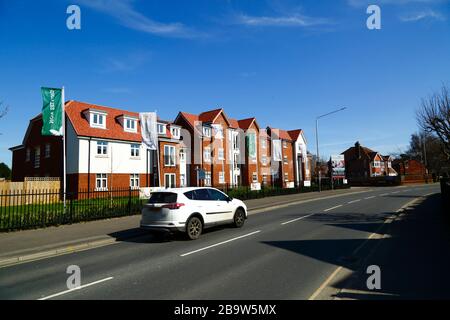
point(251, 145)
point(52, 112)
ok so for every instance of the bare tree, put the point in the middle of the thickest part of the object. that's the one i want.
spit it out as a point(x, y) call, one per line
point(434, 117)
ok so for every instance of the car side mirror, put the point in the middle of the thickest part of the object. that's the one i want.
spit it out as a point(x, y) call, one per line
point(230, 199)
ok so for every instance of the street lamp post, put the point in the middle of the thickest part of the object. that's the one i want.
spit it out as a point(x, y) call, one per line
point(317, 142)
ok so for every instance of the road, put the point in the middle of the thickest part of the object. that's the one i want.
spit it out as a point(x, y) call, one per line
point(286, 253)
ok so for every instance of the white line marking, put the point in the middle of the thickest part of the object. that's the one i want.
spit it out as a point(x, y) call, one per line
point(218, 244)
point(354, 201)
point(332, 208)
point(384, 194)
point(293, 220)
point(395, 192)
point(370, 197)
point(75, 289)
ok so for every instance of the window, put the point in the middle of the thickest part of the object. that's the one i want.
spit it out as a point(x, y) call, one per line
point(47, 150)
point(135, 150)
point(169, 180)
point(182, 180)
point(182, 156)
point(37, 157)
point(28, 155)
point(255, 177)
point(285, 160)
point(376, 164)
point(98, 120)
point(263, 143)
point(201, 194)
point(163, 197)
point(216, 195)
point(175, 132)
point(101, 182)
point(389, 164)
point(169, 156)
point(207, 178)
point(102, 148)
point(284, 144)
point(161, 128)
point(286, 177)
point(264, 160)
point(134, 181)
point(207, 132)
point(207, 154)
point(221, 177)
point(221, 154)
point(130, 125)
point(264, 179)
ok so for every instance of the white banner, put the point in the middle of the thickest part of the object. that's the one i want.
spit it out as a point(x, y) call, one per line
point(149, 129)
point(276, 150)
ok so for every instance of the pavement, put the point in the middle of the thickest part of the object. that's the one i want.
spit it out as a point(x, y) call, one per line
point(315, 249)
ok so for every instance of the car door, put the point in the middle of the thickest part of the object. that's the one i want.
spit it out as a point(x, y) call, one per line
point(221, 207)
point(202, 203)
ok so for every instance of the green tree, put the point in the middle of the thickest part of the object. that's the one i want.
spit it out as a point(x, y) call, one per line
point(5, 171)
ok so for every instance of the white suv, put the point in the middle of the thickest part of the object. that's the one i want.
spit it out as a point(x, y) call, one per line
point(191, 210)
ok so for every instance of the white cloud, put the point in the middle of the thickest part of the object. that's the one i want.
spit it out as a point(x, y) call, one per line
point(125, 12)
point(295, 20)
point(417, 16)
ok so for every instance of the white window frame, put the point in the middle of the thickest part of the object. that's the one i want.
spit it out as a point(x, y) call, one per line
point(206, 132)
point(130, 124)
point(134, 181)
point(284, 145)
point(376, 164)
point(103, 179)
point(207, 154)
point(254, 177)
point(175, 132)
point(221, 177)
point(37, 157)
point(172, 180)
point(208, 178)
point(263, 143)
point(136, 149)
point(101, 120)
point(103, 145)
point(221, 154)
point(169, 156)
point(182, 180)
point(161, 128)
point(182, 155)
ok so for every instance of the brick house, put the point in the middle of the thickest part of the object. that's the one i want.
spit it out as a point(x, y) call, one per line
point(250, 167)
point(409, 167)
point(35, 157)
point(362, 163)
point(282, 170)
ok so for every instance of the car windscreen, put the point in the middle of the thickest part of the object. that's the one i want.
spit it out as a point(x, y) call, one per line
point(163, 197)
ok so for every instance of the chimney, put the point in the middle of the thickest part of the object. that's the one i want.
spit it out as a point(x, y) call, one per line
point(358, 150)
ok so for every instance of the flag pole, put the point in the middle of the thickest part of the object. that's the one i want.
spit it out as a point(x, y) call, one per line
point(64, 145)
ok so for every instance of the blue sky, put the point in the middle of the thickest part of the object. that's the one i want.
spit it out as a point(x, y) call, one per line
point(284, 62)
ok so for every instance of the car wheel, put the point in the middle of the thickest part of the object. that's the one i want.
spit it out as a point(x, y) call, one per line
point(194, 228)
point(239, 218)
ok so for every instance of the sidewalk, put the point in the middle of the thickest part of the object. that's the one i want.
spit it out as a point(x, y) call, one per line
point(414, 258)
point(39, 243)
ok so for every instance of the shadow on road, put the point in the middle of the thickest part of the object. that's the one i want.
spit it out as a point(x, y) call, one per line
point(414, 259)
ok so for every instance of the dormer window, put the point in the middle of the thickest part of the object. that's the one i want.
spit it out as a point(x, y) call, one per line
point(97, 118)
point(161, 128)
point(130, 125)
point(175, 132)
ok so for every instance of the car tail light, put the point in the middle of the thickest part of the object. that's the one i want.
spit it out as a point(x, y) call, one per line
point(173, 206)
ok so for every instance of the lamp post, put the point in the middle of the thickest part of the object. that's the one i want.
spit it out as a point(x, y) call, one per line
point(317, 141)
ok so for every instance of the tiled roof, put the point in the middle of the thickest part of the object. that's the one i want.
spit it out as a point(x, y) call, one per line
point(295, 133)
point(209, 116)
point(190, 118)
point(244, 124)
point(282, 134)
point(114, 130)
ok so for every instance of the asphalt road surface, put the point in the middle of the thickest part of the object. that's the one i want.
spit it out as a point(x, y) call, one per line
point(286, 253)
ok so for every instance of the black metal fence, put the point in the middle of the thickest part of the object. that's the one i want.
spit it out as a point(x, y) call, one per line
point(33, 209)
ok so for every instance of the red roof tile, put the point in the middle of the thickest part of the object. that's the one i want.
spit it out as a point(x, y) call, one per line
point(233, 123)
point(244, 124)
point(294, 134)
point(209, 116)
point(114, 130)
